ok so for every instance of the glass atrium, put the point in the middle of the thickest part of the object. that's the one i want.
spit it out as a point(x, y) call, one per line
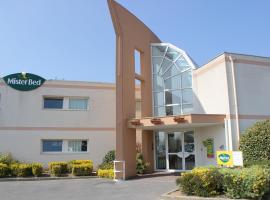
point(172, 80)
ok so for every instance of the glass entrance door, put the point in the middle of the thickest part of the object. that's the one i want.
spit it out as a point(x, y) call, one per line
point(175, 151)
point(175, 157)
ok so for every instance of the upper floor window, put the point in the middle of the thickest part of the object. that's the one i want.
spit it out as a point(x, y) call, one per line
point(53, 103)
point(78, 104)
point(66, 103)
point(172, 80)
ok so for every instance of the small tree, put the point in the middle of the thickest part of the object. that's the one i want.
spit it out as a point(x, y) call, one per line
point(255, 142)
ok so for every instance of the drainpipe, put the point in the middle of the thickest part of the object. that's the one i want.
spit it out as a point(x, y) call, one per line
point(235, 98)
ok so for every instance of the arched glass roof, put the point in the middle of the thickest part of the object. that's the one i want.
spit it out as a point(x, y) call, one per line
point(172, 80)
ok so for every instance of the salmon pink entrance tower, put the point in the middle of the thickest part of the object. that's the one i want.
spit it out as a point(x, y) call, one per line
point(131, 35)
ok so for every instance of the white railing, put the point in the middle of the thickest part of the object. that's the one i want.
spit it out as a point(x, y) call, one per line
point(123, 171)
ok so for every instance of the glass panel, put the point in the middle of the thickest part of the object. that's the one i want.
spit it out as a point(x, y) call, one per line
point(159, 111)
point(182, 64)
point(173, 97)
point(173, 110)
point(190, 162)
point(160, 150)
point(52, 145)
point(187, 108)
point(172, 54)
point(159, 99)
point(173, 82)
point(165, 65)
point(158, 83)
point(187, 79)
point(156, 61)
point(187, 96)
point(175, 162)
point(53, 103)
point(158, 50)
point(174, 142)
point(172, 71)
point(77, 146)
point(189, 141)
point(78, 104)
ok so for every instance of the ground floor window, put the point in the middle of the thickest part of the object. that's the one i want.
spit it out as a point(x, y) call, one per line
point(174, 150)
point(68, 146)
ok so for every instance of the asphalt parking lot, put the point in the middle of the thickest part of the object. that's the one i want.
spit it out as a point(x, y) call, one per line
point(87, 189)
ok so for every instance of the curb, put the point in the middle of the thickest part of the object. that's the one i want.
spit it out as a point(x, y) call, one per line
point(45, 178)
point(168, 196)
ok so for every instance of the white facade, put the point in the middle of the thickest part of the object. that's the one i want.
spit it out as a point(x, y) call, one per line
point(232, 85)
point(25, 123)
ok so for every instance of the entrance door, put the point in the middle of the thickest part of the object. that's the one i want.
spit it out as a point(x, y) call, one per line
point(175, 150)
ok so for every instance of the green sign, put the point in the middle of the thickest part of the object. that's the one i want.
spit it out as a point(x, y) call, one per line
point(24, 81)
point(224, 157)
point(209, 144)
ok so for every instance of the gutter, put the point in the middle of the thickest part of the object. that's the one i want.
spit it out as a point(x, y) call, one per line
point(232, 60)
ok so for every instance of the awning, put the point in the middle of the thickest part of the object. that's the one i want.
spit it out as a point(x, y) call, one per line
point(176, 122)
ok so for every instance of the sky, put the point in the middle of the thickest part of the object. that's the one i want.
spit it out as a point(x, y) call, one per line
point(75, 39)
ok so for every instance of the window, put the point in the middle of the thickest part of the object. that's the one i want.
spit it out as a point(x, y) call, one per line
point(53, 103)
point(66, 103)
point(78, 104)
point(64, 146)
point(52, 146)
point(77, 146)
point(172, 80)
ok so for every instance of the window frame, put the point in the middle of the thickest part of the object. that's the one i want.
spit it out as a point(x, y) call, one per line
point(64, 146)
point(65, 102)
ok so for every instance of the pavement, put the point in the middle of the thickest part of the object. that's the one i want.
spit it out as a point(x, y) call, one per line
point(149, 188)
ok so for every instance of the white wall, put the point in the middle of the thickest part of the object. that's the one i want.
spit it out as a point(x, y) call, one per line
point(201, 134)
point(24, 122)
point(210, 88)
point(27, 147)
point(26, 108)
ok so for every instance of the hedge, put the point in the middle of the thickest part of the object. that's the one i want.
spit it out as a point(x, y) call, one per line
point(21, 170)
point(58, 168)
point(37, 169)
point(255, 142)
point(82, 169)
point(201, 181)
point(250, 183)
point(4, 170)
point(106, 173)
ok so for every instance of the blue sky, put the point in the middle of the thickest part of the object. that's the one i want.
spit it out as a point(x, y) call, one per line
point(74, 39)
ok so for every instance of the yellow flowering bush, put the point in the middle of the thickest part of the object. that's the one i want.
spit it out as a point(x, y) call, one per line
point(201, 181)
point(105, 173)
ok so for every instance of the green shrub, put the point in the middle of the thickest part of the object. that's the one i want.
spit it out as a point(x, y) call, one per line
point(4, 170)
point(106, 166)
point(106, 173)
point(255, 142)
point(7, 159)
point(141, 166)
point(201, 181)
point(21, 170)
point(252, 182)
point(37, 169)
point(58, 168)
point(84, 169)
point(109, 157)
point(108, 160)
